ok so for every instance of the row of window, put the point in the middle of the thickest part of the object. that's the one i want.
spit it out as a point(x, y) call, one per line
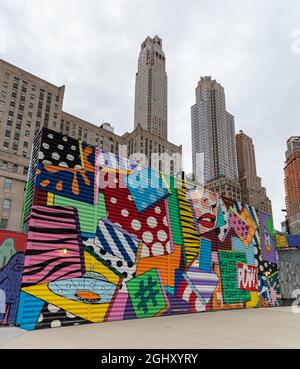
point(12, 167)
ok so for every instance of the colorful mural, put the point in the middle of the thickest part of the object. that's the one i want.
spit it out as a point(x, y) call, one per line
point(109, 240)
point(12, 247)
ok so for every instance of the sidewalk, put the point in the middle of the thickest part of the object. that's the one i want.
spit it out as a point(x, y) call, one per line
point(259, 328)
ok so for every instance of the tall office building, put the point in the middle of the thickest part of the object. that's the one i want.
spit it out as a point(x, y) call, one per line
point(213, 135)
point(253, 193)
point(151, 89)
point(292, 184)
point(28, 103)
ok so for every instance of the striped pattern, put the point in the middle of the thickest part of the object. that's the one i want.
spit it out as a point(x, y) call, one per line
point(117, 242)
point(187, 292)
point(191, 237)
point(205, 283)
point(51, 231)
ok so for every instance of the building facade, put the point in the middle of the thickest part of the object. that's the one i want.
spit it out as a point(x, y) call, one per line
point(142, 146)
point(253, 193)
point(151, 89)
point(292, 184)
point(27, 103)
point(213, 137)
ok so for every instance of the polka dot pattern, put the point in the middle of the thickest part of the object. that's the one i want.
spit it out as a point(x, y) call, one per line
point(150, 227)
point(60, 151)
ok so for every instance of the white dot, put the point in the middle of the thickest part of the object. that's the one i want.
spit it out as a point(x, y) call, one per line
point(130, 198)
point(65, 139)
point(45, 146)
point(56, 324)
point(113, 200)
point(125, 213)
point(41, 318)
point(50, 135)
point(147, 237)
point(69, 315)
point(136, 225)
point(63, 164)
point(41, 155)
point(162, 236)
point(157, 249)
point(60, 147)
point(152, 222)
point(145, 253)
point(157, 210)
point(46, 162)
point(78, 167)
point(168, 247)
point(73, 147)
point(70, 157)
point(55, 156)
point(53, 309)
point(165, 221)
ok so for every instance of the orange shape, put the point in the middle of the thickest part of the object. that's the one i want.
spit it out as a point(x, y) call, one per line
point(167, 264)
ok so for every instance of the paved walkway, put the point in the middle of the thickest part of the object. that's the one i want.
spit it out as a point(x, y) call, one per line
point(259, 328)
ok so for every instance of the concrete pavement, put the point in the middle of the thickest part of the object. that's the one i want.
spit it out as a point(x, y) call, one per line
point(259, 328)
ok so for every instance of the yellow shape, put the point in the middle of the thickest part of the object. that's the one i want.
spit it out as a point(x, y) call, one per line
point(50, 199)
point(94, 313)
point(253, 303)
point(281, 241)
point(81, 154)
point(92, 264)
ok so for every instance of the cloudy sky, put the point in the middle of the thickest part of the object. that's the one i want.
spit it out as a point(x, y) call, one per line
point(251, 47)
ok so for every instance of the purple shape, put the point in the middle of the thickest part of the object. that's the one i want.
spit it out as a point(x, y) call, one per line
point(10, 282)
point(177, 306)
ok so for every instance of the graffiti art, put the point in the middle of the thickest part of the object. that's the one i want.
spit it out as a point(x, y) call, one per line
point(110, 240)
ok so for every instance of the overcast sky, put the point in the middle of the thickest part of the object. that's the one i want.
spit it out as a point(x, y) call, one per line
point(251, 47)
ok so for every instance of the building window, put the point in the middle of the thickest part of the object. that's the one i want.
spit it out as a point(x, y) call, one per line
point(7, 183)
point(2, 104)
point(3, 223)
point(25, 145)
point(7, 204)
point(25, 170)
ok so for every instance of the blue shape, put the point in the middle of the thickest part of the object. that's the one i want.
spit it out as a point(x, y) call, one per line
point(86, 191)
point(29, 310)
point(293, 240)
point(220, 218)
point(237, 245)
point(146, 188)
point(205, 255)
point(69, 287)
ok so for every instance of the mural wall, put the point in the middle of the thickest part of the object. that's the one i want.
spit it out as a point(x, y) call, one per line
point(110, 240)
point(12, 247)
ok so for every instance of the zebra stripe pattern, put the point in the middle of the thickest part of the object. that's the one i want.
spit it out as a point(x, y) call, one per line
point(53, 248)
point(191, 237)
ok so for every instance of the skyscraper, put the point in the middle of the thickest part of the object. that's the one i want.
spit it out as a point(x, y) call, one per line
point(253, 193)
point(213, 135)
point(151, 89)
point(292, 184)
